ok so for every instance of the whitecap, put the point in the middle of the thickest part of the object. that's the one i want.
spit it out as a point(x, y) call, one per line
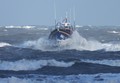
point(32, 64)
point(3, 44)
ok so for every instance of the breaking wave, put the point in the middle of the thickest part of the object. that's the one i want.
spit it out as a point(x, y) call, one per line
point(104, 62)
point(3, 44)
point(41, 44)
point(32, 64)
point(26, 27)
point(75, 42)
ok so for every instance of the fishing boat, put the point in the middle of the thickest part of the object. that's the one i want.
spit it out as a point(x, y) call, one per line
point(62, 31)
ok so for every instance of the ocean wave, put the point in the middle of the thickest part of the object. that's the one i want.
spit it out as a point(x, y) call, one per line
point(104, 62)
point(111, 46)
point(113, 32)
point(26, 27)
point(75, 42)
point(3, 44)
point(82, 78)
point(80, 43)
point(40, 44)
point(32, 64)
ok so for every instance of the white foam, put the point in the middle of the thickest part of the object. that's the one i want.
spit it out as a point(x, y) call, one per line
point(32, 64)
point(114, 32)
point(26, 27)
point(40, 44)
point(80, 43)
point(75, 42)
point(104, 62)
point(111, 46)
point(12, 26)
point(96, 78)
point(3, 44)
point(78, 26)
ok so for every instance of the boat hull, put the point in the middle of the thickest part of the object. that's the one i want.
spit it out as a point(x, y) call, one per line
point(60, 34)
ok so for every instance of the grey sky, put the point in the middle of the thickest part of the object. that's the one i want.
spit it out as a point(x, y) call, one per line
point(41, 12)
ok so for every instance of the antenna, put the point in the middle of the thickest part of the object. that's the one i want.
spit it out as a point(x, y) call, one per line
point(55, 12)
point(74, 16)
point(66, 14)
point(70, 16)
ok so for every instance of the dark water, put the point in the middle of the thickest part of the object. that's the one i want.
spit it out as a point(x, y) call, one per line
point(92, 56)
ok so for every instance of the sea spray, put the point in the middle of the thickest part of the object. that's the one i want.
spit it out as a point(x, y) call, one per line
point(75, 42)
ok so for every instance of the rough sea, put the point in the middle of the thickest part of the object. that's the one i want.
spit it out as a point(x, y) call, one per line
point(27, 56)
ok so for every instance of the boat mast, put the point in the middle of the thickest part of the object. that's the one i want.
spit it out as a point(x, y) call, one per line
point(66, 19)
point(55, 13)
point(70, 16)
point(74, 17)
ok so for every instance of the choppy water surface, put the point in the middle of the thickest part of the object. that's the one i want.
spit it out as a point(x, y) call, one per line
point(91, 56)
